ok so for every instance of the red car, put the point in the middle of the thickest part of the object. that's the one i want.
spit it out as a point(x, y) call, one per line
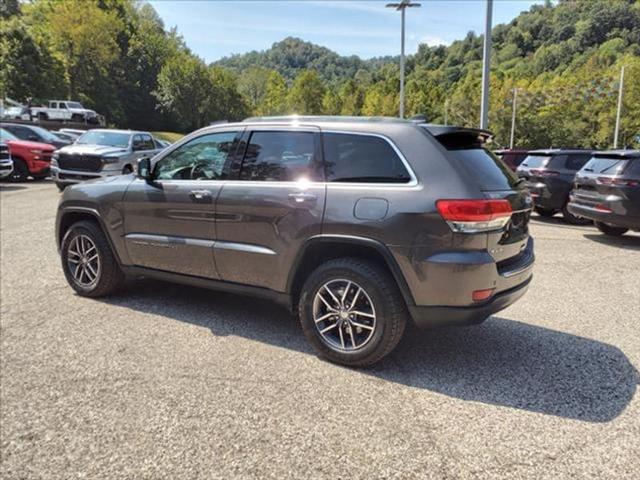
point(29, 158)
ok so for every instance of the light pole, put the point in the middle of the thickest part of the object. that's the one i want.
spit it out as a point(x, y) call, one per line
point(620, 94)
point(486, 64)
point(402, 6)
point(513, 117)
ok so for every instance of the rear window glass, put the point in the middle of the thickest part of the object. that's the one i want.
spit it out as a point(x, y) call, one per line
point(362, 159)
point(280, 157)
point(605, 165)
point(536, 161)
point(576, 162)
point(633, 167)
point(486, 169)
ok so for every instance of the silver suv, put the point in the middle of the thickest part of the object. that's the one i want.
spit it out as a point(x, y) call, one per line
point(357, 226)
point(101, 153)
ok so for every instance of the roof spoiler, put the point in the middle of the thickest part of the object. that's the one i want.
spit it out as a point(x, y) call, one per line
point(459, 137)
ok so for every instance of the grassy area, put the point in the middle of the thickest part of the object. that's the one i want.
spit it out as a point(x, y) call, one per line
point(168, 136)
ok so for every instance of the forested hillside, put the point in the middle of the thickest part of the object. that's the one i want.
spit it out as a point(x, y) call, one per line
point(116, 56)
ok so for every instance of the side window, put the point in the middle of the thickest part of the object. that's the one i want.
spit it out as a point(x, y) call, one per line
point(147, 142)
point(202, 158)
point(280, 157)
point(62, 105)
point(633, 168)
point(576, 162)
point(362, 159)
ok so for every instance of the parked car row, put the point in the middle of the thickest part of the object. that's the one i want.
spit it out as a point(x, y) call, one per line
point(63, 110)
point(584, 185)
point(79, 155)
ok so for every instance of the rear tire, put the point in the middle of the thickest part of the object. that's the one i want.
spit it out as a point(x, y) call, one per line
point(20, 171)
point(611, 230)
point(42, 116)
point(572, 219)
point(127, 170)
point(379, 322)
point(89, 265)
point(545, 212)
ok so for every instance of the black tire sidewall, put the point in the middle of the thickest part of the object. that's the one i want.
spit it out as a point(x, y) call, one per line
point(611, 230)
point(21, 169)
point(376, 294)
point(572, 219)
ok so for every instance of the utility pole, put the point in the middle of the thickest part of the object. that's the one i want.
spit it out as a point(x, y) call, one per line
point(486, 64)
point(513, 117)
point(402, 6)
point(620, 95)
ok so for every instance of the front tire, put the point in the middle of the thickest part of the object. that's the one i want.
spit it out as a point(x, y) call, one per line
point(611, 230)
point(88, 262)
point(352, 312)
point(20, 171)
point(572, 219)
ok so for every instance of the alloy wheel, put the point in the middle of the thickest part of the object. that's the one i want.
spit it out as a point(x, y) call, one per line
point(344, 315)
point(83, 261)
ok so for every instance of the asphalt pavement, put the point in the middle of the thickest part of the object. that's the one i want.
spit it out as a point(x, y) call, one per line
point(165, 381)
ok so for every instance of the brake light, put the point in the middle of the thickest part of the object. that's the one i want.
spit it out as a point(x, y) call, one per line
point(471, 216)
point(602, 208)
point(617, 182)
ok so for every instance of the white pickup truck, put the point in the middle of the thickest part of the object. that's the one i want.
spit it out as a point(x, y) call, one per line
point(64, 110)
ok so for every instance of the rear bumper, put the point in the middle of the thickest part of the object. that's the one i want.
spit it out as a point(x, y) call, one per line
point(610, 218)
point(442, 286)
point(431, 317)
point(546, 197)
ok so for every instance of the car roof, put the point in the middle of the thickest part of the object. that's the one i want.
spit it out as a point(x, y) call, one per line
point(510, 150)
point(559, 151)
point(618, 153)
point(115, 130)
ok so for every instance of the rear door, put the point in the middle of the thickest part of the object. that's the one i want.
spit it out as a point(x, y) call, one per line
point(275, 203)
point(170, 221)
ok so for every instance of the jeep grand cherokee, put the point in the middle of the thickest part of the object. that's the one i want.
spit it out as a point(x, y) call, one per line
point(356, 225)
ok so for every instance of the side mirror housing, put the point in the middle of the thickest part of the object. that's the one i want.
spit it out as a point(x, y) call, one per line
point(144, 168)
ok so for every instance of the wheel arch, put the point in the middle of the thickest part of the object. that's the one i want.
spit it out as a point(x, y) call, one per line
point(71, 215)
point(322, 248)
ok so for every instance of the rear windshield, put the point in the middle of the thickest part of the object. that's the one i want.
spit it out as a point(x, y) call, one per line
point(536, 161)
point(610, 166)
point(486, 169)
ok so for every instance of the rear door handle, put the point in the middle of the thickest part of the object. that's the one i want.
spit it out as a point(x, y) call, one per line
point(302, 198)
point(200, 196)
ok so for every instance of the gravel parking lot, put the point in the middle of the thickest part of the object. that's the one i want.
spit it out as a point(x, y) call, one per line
point(165, 381)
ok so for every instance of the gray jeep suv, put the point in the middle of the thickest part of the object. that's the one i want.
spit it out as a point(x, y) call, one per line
point(356, 225)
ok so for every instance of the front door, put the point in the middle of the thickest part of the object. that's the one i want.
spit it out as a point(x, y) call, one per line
point(170, 220)
point(274, 204)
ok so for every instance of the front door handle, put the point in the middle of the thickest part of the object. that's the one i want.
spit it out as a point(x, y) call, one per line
point(200, 196)
point(302, 198)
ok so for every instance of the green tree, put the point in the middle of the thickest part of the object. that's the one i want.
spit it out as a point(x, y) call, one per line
point(307, 92)
point(252, 84)
point(275, 97)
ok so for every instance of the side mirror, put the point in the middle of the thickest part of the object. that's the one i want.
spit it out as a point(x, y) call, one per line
point(144, 168)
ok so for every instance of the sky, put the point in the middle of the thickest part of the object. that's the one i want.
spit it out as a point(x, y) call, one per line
point(215, 29)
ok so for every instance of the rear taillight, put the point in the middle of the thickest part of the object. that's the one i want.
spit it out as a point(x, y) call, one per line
point(602, 208)
point(617, 182)
point(544, 173)
point(471, 216)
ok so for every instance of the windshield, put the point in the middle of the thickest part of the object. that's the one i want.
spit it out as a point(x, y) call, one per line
point(4, 135)
point(605, 165)
point(45, 134)
point(536, 161)
point(109, 139)
point(74, 105)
